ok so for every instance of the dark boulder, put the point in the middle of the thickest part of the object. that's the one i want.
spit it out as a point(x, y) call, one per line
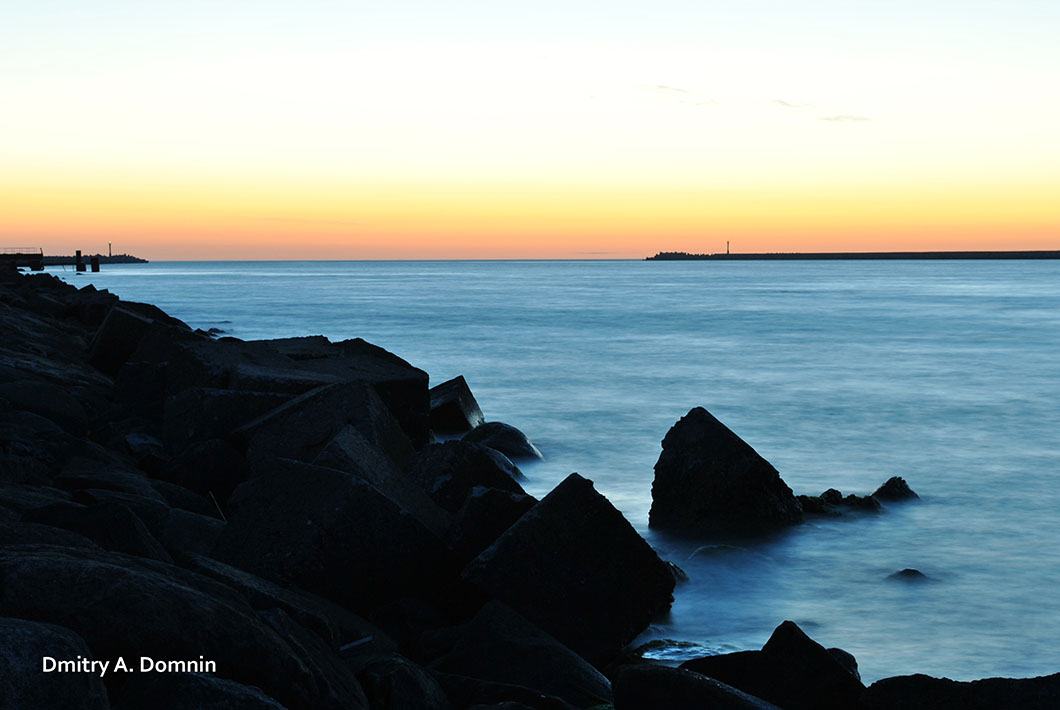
point(709, 480)
point(199, 413)
point(111, 525)
point(649, 687)
point(449, 471)
point(124, 606)
point(453, 407)
point(211, 468)
point(576, 568)
point(117, 339)
point(485, 515)
point(792, 671)
point(187, 533)
point(392, 682)
point(865, 503)
point(179, 497)
point(504, 438)
point(23, 647)
point(895, 489)
point(467, 692)
point(189, 691)
point(86, 476)
point(329, 533)
point(46, 400)
point(501, 646)
point(909, 575)
point(921, 692)
point(22, 533)
point(301, 427)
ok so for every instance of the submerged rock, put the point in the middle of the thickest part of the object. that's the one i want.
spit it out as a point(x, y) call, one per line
point(894, 489)
point(709, 480)
point(504, 438)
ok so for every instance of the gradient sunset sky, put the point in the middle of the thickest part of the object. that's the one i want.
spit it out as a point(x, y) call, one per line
point(555, 129)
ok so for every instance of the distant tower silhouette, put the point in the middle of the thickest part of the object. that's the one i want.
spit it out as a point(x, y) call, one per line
point(726, 247)
point(109, 253)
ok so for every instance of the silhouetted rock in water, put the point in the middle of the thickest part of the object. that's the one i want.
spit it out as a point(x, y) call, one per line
point(709, 480)
point(501, 646)
point(110, 525)
point(651, 687)
point(24, 648)
point(894, 489)
point(484, 516)
point(330, 533)
point(133, 607)
point(829, 503)
point(394, 682)
point(867, 503)
point(449, 471)
point(453, 407)
point(909, 575)
point(792, 671)
point(189, 691)
point(198, 414)
point(464, 692)
point(504, 438)
point(847, 660)
point(921, 692)
point(575, 567)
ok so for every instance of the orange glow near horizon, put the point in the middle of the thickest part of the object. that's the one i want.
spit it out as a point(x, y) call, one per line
point(180, 220)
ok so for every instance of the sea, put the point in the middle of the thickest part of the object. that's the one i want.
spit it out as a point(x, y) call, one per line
point(840, 373)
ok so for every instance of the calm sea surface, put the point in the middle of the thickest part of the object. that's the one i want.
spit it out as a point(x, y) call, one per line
point(841, 374)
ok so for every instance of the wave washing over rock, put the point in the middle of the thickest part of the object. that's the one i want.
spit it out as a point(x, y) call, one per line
point(270, 522)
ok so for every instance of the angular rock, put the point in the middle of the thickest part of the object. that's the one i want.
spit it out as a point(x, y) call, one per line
point(111, 525)
point(576, 568)
point(211, 468)
point(329, 533)
point(177, 496)
point(187, 533)
point(504, 438)
point(189, 691)
point(485, 515)
point(467, 692)
point(22, 533)
point(708, 480)
point(46, 400)
point(300, 428)
point(449, 471)
point(453, 407)
point(198, 414)
point(895, 488)
point(792, 671)
point(395, 683)
point(921, 692)
point(23, 647)
point(501, 646)
point(112, 601)
point(648, 686)
point(117, 339)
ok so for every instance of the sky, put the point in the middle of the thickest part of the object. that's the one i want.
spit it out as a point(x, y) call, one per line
point(557, 129)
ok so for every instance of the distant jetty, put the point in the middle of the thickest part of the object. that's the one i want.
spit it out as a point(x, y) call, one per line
point(103, 259)
point(855, 256)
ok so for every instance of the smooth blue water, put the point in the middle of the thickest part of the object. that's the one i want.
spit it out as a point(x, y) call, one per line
point(842, 374)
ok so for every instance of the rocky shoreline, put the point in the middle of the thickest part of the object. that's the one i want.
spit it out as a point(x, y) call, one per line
point(277, 509)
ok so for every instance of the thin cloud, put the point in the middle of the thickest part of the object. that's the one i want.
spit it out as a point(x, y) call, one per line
point(789, 104)
point(683, 96)
point(844, 117)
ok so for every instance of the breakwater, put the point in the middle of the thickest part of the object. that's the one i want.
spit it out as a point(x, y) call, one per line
point(856, 256)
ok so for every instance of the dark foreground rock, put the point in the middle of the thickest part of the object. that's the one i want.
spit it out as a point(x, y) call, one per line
point(575, 567)
point(24, 646)
point(792, 671)
point(709, 480)
point(189, 691)
point(647, 687)
point(921, 692)
point(504, 438)
point(453, 407)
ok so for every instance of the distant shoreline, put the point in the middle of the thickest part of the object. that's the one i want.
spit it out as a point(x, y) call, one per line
point(85, 258)
point(856, 256)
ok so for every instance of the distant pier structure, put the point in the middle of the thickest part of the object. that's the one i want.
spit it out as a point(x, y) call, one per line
point(28, 257)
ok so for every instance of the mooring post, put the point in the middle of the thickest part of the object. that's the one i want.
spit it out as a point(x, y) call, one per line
point(78, 262)
point(95, 264)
